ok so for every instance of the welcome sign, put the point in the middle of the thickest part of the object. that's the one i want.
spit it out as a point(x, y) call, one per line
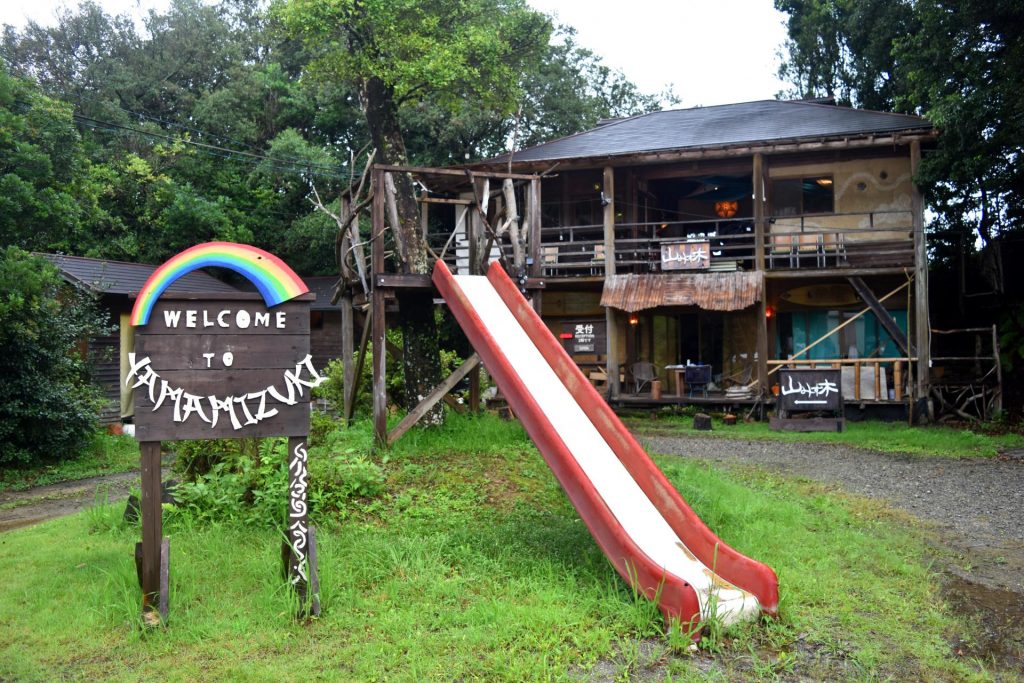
point(223, 366)
point(229, 366)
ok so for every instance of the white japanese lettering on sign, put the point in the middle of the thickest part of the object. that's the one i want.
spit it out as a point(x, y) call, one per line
point(812, 391)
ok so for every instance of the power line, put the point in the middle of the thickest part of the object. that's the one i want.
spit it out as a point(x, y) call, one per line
point(277, 164)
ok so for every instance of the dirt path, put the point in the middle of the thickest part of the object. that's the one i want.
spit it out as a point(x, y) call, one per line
point(22, 508)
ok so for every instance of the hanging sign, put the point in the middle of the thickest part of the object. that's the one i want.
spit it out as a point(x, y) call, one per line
point(685, 255)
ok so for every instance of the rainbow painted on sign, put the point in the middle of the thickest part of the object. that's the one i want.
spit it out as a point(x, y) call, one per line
point(272, 276)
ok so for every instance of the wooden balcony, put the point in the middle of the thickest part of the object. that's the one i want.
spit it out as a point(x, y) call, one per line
point(854, 241)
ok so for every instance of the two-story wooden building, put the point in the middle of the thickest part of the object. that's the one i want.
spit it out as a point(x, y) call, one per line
point(686, 255)
point(737, 238)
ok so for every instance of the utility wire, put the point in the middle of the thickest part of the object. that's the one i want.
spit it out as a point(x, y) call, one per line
point(215, 150)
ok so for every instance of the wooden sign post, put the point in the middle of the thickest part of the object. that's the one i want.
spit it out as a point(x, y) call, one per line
point(810, 400)
point(229, 366)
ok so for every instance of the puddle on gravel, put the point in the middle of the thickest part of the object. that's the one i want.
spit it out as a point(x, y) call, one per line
point(999, 618)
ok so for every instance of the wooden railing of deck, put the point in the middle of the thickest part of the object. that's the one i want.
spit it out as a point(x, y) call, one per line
point(860, 239)
point(900, 373)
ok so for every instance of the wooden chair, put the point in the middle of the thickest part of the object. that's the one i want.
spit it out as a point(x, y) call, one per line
point(781, 244)
point(642, 374)
point(598, 260)
point(832, 245)
point(809, 244)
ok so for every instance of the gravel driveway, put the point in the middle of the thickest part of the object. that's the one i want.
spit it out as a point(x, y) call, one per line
point(978, 504)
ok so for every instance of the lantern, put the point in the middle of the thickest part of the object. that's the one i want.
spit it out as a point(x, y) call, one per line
point(726, 209)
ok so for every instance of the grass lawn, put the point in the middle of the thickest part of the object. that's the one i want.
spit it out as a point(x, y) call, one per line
point(887, 437)
point(105, 454)
point(473, 565)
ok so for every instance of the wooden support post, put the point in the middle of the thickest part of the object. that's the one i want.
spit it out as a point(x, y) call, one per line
point(380, 400)
point(757, 179)
point(165, 579)
point(300, 564)
point(611, 336)
point(762, 340)
point(427, 403)
point(152, 529)
point(314, 575)
point(997, 404)
point(536, 268)
point(347, 351)
point(922, 324)
point(856, 381)
point(474, 390)
point(352, 390)
point(878, 381)
point(897, 380)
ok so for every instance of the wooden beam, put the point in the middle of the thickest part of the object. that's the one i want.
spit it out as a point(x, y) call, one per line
point(812, 273)
point(922, 324)
point(428, 170)
point(444, 200)
point(348, 333)
point(427, 403)
point(396, 281)
point(152, 526)
point(380, 400)
point(881, 314)
point(761, 342)
point(611, 338)
point(536, 268)
point(728, 152)
point(998, 404)
point(757, 179)
point(357, 375)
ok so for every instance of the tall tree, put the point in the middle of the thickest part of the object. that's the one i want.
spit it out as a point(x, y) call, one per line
point(843, 49)
point(961, 64)
point(47, 198)
point(397, 54)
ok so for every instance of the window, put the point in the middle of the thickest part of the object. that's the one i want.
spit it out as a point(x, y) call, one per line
point(796, 196)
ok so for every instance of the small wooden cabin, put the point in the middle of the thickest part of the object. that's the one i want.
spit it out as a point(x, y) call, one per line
point(115, 283)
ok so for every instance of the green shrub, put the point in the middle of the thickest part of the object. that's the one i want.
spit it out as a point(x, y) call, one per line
point(246, 480)
point(49, 407)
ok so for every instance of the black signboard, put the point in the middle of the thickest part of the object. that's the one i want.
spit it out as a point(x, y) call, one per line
point(810, 400)
point(584, 336)
point(810, 389)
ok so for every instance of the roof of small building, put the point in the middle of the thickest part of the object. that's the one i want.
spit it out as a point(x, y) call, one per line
point(726, 125)
point(119, 277)
point(323, 287)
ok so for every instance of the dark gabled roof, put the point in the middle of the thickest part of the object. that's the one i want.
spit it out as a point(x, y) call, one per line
point(721, 126)
point(119, 277)
point(323, 287)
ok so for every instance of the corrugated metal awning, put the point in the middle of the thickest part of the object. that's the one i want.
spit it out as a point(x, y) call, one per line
point(710, 291)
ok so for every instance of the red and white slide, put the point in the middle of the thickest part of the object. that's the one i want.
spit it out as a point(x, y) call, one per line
point(645, 528)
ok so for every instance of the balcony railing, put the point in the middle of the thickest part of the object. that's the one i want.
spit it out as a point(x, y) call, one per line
point(868, 239)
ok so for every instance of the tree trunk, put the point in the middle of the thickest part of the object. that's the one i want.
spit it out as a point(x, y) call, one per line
point(416, 309)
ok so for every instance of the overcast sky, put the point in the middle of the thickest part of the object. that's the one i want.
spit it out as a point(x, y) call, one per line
point(711, 52)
